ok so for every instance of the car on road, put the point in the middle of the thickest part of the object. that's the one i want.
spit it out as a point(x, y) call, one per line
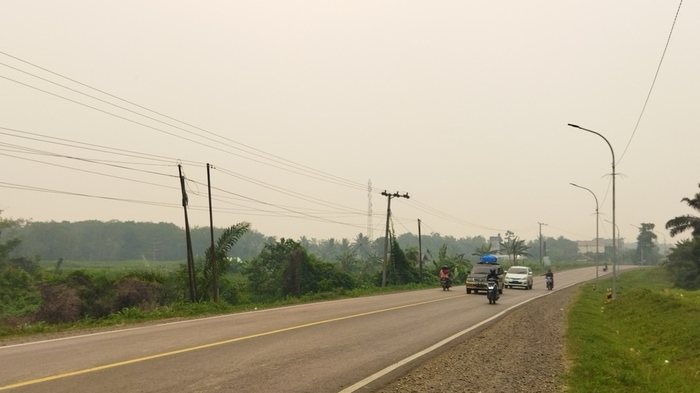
point(476, 280)
point(519, 276)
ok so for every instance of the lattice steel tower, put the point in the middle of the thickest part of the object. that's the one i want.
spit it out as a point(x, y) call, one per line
point(369, 209)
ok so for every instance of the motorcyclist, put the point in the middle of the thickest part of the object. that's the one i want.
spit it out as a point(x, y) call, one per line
point(492, 276)
point(549, 275)
point(445, 274)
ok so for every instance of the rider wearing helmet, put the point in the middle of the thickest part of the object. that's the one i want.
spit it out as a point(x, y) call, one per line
point(550, 275)
point(492, 276)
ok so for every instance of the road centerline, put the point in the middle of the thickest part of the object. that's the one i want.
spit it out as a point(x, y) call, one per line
point(210, 345)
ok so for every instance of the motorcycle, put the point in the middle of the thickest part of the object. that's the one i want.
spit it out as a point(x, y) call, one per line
point(446, 284)
point(492, 291)
point(550, 282)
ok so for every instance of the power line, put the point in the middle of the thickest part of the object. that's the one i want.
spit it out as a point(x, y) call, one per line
point(653, 83)
point(296, 215)
point(296, 211)
point(447, 216)
point(174, 134)
point(51, 154)
point(52, 191)
point(295, 167)
point(95, 172)
point(290, 210)
point(168, 124)
point(89, 146)
point(255, 151)
point(288, 192)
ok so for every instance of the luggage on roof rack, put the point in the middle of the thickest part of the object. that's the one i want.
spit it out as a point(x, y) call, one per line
point(489, 258)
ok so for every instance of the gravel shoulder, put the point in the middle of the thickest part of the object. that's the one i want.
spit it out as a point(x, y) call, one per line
point(530, 356)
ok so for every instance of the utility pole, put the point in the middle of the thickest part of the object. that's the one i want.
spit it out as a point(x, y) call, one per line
point(212, 257)
point(190, 257)
point(386, 233)
point(541, 250)
point(420, 253)
point(369, 210)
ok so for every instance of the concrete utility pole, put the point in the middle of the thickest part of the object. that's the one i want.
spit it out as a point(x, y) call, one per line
point(541, 251)
point(188, 238)
point(212, 257)
point(386, 233)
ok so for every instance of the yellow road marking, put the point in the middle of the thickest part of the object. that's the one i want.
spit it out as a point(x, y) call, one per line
point(205, 346)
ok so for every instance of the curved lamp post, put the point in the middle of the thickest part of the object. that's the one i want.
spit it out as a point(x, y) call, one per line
point(614, 282)
point(597, 256)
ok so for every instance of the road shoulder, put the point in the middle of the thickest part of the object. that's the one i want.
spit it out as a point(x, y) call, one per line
point(525, 348)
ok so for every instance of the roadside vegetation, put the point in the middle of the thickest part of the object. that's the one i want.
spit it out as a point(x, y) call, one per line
point(124, 272)
point(645, 341)
point(40, 295)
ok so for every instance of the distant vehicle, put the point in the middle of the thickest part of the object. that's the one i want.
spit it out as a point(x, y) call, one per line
point(519, 276)
point(476, 280)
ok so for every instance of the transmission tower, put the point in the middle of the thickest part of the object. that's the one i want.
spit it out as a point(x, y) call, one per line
point(369, 210)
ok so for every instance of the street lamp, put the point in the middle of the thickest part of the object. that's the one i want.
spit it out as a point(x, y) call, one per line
point(597, 257)
point(614, 283)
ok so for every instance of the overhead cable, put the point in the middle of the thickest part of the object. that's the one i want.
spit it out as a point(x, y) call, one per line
point(653, 83)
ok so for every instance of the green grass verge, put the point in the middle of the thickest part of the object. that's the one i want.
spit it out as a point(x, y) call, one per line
point(648, 340)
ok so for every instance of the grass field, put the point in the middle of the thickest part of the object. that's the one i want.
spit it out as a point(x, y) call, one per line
point(117, 266)
point(648, 340)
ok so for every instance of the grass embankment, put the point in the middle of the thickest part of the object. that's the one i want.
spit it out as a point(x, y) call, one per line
point(648, 340)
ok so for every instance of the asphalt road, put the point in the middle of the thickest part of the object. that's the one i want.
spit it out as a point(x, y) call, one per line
point(320, 347)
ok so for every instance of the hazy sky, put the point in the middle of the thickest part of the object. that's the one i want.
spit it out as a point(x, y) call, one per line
point(461, 104)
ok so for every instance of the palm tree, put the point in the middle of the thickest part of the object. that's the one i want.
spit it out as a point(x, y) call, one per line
point(223, 245)
point(484, 249)
point(514, 247)
point(686, 222)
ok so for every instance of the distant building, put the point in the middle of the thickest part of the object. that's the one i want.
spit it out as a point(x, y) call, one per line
point(588, 246)
point(495, 242)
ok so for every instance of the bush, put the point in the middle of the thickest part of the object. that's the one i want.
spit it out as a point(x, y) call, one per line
point(18, 294)
point(96, 292)
point(135, 292)
point(230, 290)
point(60, 303)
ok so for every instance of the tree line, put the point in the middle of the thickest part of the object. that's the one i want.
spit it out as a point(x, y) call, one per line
point(129, 240)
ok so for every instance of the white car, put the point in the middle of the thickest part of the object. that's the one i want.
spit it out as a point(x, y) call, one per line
point(519, 276)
